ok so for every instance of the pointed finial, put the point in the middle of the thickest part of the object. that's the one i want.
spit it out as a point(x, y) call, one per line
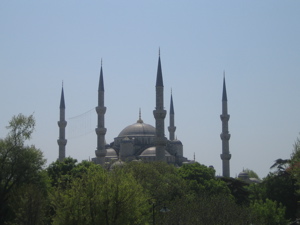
point(62, 83)
point(140, 114)
point(224, 95)
point(140, 117)
point(101, 83)
point(159, 51)
point(62, 97)
point(194, 157)
point(159, 79)
point(171, 104)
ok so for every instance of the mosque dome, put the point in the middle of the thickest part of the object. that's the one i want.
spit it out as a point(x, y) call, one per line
point(138, 129)
point(151, 151)
point(110, 152)
point(243, 175)
point(117, 164)
point(176, 142)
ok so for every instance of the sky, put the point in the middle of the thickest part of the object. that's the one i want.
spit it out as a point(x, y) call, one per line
point(256, 43)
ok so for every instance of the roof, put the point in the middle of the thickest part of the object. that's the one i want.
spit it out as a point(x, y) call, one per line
point(224, 96)
point(110, 152)
point(171, 106)
point(101, 83)
point(138, 129)
point(159, 79)
point(151, 151)
point(62, 99)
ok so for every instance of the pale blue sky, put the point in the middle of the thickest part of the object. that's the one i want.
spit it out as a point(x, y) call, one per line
point(257, 43)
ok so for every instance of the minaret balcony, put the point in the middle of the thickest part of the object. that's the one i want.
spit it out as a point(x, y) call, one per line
point(62, 123)
point(100, 131)
point(171, 129)
point(159, 113)
point(224, 117)
point(225, 136)
point(62, 142)
point(101, 110)
point(225, 156)
point(100, 152)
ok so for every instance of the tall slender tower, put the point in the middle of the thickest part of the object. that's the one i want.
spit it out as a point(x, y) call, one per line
point(62, 123)
point(225, 136)
point(172, 127)
point(100, 130)
point(159, 115)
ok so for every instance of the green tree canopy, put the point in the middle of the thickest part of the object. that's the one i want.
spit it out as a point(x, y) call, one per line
point(101, 197)
point(201, 179)
point(268, 212)
point(19, 163)
point(251, 174)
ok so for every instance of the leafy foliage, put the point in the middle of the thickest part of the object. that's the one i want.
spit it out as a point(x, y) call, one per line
point(269, 212)
point(252, 174)
point(159, 180)
point(69, 192)
point(100, 197)
point(201, 179)
point(20, 165)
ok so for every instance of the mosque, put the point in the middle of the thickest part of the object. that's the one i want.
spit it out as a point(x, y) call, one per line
point(141, 141)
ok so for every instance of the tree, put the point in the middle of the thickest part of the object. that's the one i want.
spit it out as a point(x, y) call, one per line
point(61, 170)
point(281, 164)
point(101, 197)
point(30, 202)
point(268, 212)
point(19, 164)
point(201, 178)
point(238, 189)
point(159, 179)
point(206, 209)
point(279, 187)
point(252, 174)
point(294, 168)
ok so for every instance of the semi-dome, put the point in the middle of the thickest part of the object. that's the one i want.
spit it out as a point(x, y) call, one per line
point(110, 152)
point(243, 175)
point(151, 151)
point(176, 142)
point(116, 164)
point(138, 129)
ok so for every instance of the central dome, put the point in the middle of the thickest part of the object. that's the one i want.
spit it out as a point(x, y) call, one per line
point(138, 129)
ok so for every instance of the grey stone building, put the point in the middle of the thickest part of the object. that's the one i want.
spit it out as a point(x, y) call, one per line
point(142, 141)
point(225, 135)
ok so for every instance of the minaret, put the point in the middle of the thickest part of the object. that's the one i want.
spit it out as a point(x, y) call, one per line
point(172, 127)
point(100, 130)
point(62, 123)
point(159, 115)
point(225, 136)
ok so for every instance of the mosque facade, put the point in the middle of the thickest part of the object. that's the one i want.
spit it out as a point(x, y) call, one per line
point(141, 141)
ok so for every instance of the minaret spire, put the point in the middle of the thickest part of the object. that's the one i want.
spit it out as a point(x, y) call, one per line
point(140, 117)
point(101, 83)
point(159, 115)
point(100, 130)
point(62, 123)
point(159, 79)
point(224, 96)
point(225, 136)
point(172, 127)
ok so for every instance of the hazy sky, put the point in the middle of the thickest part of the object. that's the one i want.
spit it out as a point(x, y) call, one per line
point(257, 43)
